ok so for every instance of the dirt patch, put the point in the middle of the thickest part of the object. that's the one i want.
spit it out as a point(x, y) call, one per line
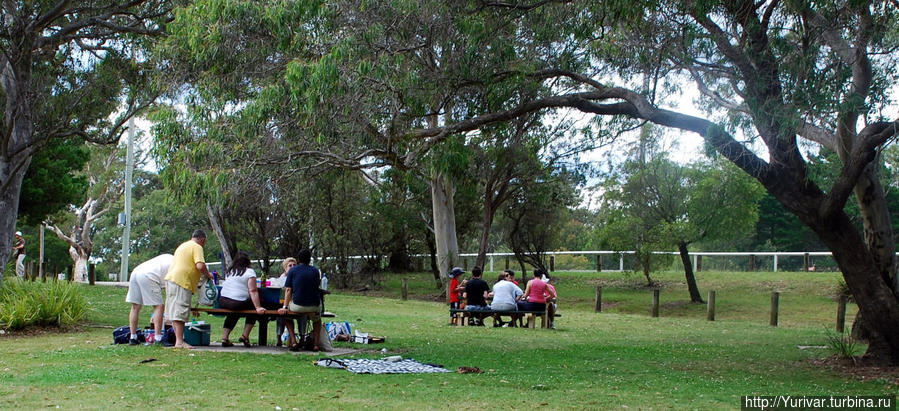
point(860, 370)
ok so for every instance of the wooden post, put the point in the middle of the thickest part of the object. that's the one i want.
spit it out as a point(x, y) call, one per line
point(598, 263)
point(70, 273)
point(710, 308)
point(552, 263)
point(775, 302)
point(29, 269)
point(841, 314)
point(507, 262)
point(465, 263)
point(92, 274)
point(698, 263)
point(805, 262)
point(405, 289)
point(655, 303)
point(598, 306)
point(751, 262)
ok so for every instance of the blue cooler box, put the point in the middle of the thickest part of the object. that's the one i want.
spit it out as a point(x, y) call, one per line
point(197, 334)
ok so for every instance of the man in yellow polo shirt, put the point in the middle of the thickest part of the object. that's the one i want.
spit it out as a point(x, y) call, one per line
point(183, 278)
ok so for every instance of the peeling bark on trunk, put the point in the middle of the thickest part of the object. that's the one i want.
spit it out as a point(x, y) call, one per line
point(878, 231)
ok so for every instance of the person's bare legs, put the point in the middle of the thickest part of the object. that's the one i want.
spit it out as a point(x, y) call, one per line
point(179, 335)
point(291, 337)
point(246, 331)
point(316, 329)
point(158, 310)
point(133, 317)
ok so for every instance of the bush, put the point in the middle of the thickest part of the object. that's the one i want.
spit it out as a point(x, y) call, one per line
point(24, 304)
point(842, 345)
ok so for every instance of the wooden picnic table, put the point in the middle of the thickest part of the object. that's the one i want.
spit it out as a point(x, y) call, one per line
point(263, 318)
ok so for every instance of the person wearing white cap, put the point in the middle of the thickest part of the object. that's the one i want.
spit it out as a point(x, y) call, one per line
point(19, 250)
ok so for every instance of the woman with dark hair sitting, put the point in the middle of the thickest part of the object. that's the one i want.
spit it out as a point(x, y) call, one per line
point(239, 292)
point(535, 294)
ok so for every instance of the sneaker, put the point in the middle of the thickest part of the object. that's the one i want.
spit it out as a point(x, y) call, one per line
point(133, 341)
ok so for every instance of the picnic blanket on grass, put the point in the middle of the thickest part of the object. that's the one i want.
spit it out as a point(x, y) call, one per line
point(364, 366)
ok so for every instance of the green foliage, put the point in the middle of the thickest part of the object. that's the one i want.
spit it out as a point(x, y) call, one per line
point(52, 181)
point(55, 303)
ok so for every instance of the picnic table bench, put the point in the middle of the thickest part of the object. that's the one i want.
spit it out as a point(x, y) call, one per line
point(531, 315)
point(263, 318)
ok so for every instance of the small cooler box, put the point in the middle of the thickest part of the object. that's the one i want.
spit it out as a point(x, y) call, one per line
point(197, 333)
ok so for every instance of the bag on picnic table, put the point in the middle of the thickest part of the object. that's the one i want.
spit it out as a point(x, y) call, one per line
point(209, 293)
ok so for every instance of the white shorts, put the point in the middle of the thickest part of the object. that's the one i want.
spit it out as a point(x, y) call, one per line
point(144, 290)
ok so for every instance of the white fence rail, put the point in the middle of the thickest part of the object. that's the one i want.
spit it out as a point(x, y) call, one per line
point(619, 261)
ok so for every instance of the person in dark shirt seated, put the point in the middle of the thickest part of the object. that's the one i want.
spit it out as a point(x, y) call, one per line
point(302, 295)
point(476, 294)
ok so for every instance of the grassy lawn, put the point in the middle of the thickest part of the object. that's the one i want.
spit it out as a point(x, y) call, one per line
point(620, 357)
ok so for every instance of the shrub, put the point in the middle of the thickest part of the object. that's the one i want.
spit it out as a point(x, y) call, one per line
point(24, 304)
point(842, 345)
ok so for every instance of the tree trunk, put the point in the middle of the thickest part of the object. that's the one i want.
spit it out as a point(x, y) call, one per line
point(215, 222)
point(873, 295)
point(11, 182)
point(435, 268)
point(695, 297)
point(16, 154)
point(80, 259)
point(442, 203)
point(486, 223)
point(878, 231)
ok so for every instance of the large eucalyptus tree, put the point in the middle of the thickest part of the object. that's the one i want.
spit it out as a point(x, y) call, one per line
point(65, 68)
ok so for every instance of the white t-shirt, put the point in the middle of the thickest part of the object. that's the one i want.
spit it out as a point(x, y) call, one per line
point(505, 292)
point(154, 268)
point(235, 287)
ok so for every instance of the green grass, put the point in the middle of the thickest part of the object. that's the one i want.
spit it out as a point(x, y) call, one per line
point(620, 357)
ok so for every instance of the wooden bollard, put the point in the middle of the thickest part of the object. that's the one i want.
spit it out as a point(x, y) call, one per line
point(655, 303)
point(405, 289)
point(92, 274)
point(29, 271)
point(841, 314)
point(599, 263)
point(805, 262)
point(775, 302)
point(751, 262)
point(710, 308)
point(70, 273)
point(598, 306)
point(507, 262)
point(552, 263)
point(698, 263)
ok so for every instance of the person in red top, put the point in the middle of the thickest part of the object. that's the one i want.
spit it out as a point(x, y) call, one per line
point(511, 275)
point(454, 289)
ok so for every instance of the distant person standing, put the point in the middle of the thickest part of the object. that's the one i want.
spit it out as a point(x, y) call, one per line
point(145, 288)
point(183, 278)
point(19, 249)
